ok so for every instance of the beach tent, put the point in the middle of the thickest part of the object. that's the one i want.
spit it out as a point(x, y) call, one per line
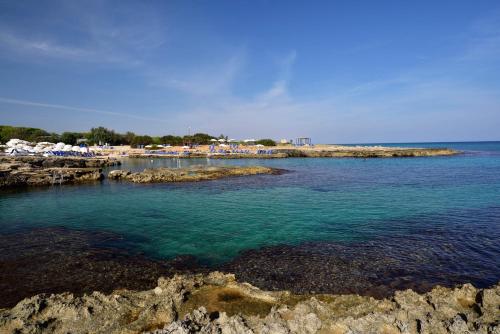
point(59, 146)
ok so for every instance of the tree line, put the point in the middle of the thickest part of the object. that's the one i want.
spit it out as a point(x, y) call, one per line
point(101, 135)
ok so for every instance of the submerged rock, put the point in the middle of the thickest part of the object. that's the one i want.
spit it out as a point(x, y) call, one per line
point(217, 303)
point(190, 174)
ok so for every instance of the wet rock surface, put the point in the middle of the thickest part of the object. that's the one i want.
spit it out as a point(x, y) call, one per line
point(217, 303)
point(190, 174)
point(41, 171)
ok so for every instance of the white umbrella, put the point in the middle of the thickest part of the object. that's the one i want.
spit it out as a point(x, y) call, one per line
point(213, 139)
point(259, 145)
point(222, 140)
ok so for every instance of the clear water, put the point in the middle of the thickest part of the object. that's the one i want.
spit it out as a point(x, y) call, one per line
point(321, 199)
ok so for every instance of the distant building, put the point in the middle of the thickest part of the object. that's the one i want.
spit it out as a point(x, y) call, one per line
point(82, 141)
point(249, 141)
point(302, 141)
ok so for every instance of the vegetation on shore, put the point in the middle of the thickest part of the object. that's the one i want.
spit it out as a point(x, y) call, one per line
point(101, 135)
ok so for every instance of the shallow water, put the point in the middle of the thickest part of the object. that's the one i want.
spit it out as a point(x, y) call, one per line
point(353, 201)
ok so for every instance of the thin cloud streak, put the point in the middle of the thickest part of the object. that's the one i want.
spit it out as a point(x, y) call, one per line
point(64, 107)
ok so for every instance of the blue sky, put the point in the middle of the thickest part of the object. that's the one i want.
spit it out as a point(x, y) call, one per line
point(337, 71)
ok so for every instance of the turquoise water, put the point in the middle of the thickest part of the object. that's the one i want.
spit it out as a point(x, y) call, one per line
point(351, 200)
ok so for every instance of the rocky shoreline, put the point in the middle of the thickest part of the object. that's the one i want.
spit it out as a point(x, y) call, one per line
point(372, 152)
point(190, 174)
point(44, 171)
point(325, 151)
point(217, 303)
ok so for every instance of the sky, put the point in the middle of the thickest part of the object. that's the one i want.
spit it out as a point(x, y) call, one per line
point(335, 71)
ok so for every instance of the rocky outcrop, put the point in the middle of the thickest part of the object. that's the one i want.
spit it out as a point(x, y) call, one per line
point(217, 303)
point(366, 152)
point(191, 174)
point(40, 171)
point(60, 162)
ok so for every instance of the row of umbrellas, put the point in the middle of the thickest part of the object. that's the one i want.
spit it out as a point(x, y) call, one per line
point(222, 140)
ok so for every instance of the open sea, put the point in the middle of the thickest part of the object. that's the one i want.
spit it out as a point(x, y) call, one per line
point(414, 221)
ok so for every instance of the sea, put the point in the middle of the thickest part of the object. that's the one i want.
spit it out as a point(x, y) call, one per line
point(439, 216)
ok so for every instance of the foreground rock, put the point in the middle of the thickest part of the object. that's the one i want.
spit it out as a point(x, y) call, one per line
point(216, 303)
point(191, 174)
point(41, 171)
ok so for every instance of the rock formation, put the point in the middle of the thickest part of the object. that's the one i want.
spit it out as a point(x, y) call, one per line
point(217, 303)
point(190, 174)
point(365, 152)
point(41, 171)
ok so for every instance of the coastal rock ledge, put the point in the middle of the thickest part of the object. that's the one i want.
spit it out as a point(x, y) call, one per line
point(190, 174)
point(217, 303)
point(45, 171)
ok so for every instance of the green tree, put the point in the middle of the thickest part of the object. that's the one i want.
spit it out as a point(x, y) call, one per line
point(266, 142)
point(141, 140)
point(128, 138)
point(24, 133)
point(101, 135)
point(70, 137)
point(172, 140)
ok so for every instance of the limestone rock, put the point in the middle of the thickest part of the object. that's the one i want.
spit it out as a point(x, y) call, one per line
point(217, 303)
point(191, 174)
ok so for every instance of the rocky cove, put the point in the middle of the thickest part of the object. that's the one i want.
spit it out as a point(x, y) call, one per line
point(44, 171)
point(217, 303)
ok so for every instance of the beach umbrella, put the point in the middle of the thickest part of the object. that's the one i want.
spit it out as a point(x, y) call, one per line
point(222, 140)
point(259, 145)
point(213, 139)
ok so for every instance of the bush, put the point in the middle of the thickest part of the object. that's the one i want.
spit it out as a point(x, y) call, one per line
point(266, 142)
